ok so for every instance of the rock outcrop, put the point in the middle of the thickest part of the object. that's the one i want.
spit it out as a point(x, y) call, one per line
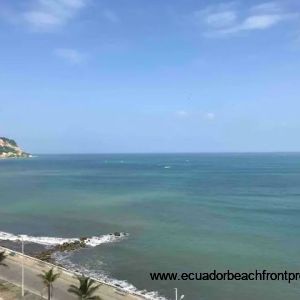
point(9, 148)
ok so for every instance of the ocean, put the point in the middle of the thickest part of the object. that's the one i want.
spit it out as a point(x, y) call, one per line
point(182, 213)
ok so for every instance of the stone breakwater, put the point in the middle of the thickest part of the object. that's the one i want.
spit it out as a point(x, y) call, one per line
point(65, 247)
point(82, 242)
point(46, 246)
point(55, 250)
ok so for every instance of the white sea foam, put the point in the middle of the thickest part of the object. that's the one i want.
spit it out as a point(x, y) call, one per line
point(53, 241)
point(104, 239)
point(64, 259)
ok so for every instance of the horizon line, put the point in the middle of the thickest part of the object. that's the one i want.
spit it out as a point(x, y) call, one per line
point(188, 152)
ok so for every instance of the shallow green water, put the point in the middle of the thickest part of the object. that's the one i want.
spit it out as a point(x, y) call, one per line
point(203, 212)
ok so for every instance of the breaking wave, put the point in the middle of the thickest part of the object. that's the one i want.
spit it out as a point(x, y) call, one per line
point(64, 259)
point(53, 241)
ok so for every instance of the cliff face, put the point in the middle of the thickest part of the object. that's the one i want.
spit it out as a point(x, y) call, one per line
point(9, 148)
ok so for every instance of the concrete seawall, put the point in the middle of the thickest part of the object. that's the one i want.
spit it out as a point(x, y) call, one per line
point(32, 283)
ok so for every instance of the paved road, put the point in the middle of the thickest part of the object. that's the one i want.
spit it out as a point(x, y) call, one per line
point(33, 283)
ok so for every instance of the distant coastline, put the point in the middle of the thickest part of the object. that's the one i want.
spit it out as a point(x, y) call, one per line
point(10, 149)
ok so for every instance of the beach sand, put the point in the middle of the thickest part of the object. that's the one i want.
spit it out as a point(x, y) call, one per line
point(33, 284)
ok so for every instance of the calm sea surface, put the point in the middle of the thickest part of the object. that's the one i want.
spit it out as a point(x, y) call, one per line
point(183, 213)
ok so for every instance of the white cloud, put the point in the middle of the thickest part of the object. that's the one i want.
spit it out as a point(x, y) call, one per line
point(182, 113)
point(72, 56)
point(46, 15)
point(39, 19)
point(111, 16)
point(215, 19)
point(220, 20)
point(261, 21)
point(49, 15)
point(267, 7)
point(209, 116)
point(255, 22)
point(217, 16)
point(196, 115)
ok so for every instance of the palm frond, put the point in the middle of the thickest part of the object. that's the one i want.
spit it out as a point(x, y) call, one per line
point(85, 290)
point(92, 290)
point(94, 298)
point(2, 258)
point(48, 277)
point(74, 290)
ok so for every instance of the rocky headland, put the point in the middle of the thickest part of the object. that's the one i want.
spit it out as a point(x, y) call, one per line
point(10, 149)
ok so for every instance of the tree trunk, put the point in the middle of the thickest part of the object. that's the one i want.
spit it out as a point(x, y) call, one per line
point(49, 292)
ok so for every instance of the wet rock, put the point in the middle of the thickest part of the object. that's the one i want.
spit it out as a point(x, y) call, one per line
point(45, 256)
point(65, 247)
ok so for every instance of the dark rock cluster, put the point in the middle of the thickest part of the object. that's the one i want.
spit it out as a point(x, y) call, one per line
point(46, 255)
point(65, 247)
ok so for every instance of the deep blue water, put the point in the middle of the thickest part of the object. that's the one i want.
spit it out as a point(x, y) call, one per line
point(184, 213)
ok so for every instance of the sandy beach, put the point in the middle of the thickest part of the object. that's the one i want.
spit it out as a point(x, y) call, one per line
point(33, 284)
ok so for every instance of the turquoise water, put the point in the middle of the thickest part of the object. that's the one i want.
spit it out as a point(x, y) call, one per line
point(184, 213)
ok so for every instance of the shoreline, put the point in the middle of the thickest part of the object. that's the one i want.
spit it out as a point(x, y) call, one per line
point(35, 266)
point(56, 250)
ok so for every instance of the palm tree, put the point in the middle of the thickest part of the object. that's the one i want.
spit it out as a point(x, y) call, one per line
point(86, 288)
point(2, 258)
point(48, 279)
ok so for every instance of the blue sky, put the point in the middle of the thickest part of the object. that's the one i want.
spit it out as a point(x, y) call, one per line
point(150, 75)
